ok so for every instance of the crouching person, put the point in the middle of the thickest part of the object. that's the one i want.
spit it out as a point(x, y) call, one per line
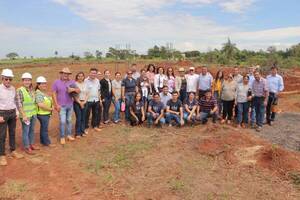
point(190, 108)
point(155, 113)
point(208, 107)
point(137, 113)
point(174, 110)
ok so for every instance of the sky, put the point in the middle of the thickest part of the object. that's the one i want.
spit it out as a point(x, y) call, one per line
point(40, 27)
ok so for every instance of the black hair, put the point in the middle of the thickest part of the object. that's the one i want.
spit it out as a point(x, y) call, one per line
point(165, 86)
point(160, 68)
point(155, 94)
point(138, 93)
point(94, 69)
point(174, 92)
point(168, 72)
point(149, 67)
point(76, 77)
point(117, 73)
point(217, 75)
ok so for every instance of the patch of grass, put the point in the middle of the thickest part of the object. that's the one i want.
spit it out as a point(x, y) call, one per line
point(94, 166)
point(12, 189)
point(176, 184)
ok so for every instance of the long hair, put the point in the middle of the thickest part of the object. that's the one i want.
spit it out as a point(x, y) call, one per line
point(149, 67)
point(217, 75)
point(171, 73)
point(159, 69)
point(77, 75)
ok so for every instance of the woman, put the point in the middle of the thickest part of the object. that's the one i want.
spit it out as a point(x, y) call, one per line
point(45, 108)
point(159, 79)
point(28, 110)
point(146, 90)
point(228, 93)
point(170, 79)
point(190, 107)
point(181, 84)
point(117, 100)
point(137, 112)
point(106, 95)
point(150, 75)
point(216, 88)
point(243, 98)
point(80, 105)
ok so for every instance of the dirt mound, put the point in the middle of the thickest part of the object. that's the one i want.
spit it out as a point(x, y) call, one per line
point(184, 63)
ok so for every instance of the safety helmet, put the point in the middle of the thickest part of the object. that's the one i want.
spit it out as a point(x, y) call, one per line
point(26, 75)
point(7, 73)
point(41, 79)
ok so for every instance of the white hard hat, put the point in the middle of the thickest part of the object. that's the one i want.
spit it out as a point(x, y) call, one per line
point(26, 75)
point(7, 73)
point(41, 79)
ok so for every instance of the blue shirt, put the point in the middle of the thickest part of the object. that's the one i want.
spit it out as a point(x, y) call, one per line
point(205, 81)
point(156, 107)
point(275, 83)
point(251, 80)
point(129, 85)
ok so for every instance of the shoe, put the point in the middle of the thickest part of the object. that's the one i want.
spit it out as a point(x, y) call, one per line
point(29, 151)
point(170, 125)
point(51, 145)
point(16, 155)
point(239, 126)
point(228, 121)
point(97, 129)
point(106, 122)
point(62, 141)
point(86, 131)
point(77, 136)
point(34, 147)
point(84, 135)
point(243, 126)
point(222, 121)
point(258, 129)
point(3, 161)
point(70, 138)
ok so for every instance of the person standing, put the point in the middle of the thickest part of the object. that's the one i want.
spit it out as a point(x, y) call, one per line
point(145, 89)
point(170, 79)
point(216, 90)
point(190, 107)
point(8, 116)
point(28, 111)
point(100, 76)
point(275, 86)
point(243, 98)
point(150, 75)
point(137, 112)
point(174, 110)
point(205, 82)
point(155, 114)
point(44, 110)
point(181, 84)
point(135, 73)
point(192, 80)
point(251, 72)
point(228, 93)
point(63, 89)
point(129, 88)
point(260, 97)
point(160, 79)
point(165, 96)
point(106, 95)
point(117, 100)
point(208, 107)
point(237, 77)
point(80, 106)
point(93, 101)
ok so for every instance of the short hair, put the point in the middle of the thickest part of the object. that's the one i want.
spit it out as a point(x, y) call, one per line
point(174, 92)
point(155, 94)
point(191, 93)
point(165, 86)
point(94, 69)
point(274, 67)
point(105, 71)
point(117, 73)
point(208, 91)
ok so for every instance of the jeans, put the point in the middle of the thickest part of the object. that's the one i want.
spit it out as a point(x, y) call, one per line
point(252, 113)
point(227, 109)
point(272, 100)
point(10, 123)
point(65, 120)
point(258, 103)
point(117, 104)
point(129, 99)
point(80, 114)
point(44, 121)
point(151, 118)
point(182, 95)
point(28, 132)
point(186, 115)
point(94, 107)
point(170, 117)
point(106, 106)
point(205, 115)
point(243, 111)
point(219, 102)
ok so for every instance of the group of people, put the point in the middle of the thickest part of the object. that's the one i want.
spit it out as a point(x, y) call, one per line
point(153, 95)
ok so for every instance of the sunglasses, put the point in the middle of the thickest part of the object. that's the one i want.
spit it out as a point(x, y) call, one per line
point(8, 79)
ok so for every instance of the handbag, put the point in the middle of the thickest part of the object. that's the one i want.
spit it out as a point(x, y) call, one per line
point(123, 106)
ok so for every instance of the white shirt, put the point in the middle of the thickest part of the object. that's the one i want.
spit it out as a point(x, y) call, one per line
point(7, 98)
point(159, 81)
point(191, 82)
point(165, 98)
point(275, 83)
point(93, 88)
point(205, 81)
point(83, 90)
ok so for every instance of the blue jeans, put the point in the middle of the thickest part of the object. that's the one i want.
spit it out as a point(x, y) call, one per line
point(243, 111)
point(28, 132)
point(80, 114)
point(170, 117)
point(151, 118)
point(65, 120)
point(44, 121)
point(117, 104)
point(252, 114)
point(205, 115)
point(129, 99)
point(186, 115)
point(258, 104)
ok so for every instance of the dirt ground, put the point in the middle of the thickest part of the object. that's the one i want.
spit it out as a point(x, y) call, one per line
point(121, 162)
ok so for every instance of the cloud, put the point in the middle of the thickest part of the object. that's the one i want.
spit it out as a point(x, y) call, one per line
point(236, 6)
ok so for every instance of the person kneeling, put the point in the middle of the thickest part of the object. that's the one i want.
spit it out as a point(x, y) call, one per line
point(137, 113)
point(190, 107)
point(155, 113)
point(208, 108)
point(174, 110)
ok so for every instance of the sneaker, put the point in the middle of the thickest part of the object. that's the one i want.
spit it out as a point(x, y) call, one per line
point(97, 129)
point(62, 141)
point(70, 138)
point(3, 161)
point(83, 135)
point(86, 131)
point(243, 126)
point(222, 121)
point(29, 151)
point(170, 125)
point(51, 145)
point(16, 155)
point(258, 129)
point(228, 121)
point(34, 147)
point(77, 136)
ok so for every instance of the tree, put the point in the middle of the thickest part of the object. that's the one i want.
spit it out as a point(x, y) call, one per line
point(88, 55)
point(229, 50)
point(55, 53)
point(12, 55)
point(98, 54)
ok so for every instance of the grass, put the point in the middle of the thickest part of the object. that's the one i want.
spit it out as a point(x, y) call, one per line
point(12, 189)
point(176, 184)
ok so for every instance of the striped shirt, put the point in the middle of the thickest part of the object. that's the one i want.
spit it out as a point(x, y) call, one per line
point(207, 105)
point(259, 88)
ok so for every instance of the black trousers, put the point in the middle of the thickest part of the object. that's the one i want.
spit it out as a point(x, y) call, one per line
point(272, 100)
point(133, 121)
point(227, 109)
point(106, 106)
point(9, 117)
point(94, 108)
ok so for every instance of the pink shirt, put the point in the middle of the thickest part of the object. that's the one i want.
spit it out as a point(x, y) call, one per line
point(150, 76)
point(7, 98)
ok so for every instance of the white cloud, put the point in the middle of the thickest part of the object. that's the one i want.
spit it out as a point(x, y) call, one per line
point(236, 6)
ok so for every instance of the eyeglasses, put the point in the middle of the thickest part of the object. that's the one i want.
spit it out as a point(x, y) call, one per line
point(8, 79)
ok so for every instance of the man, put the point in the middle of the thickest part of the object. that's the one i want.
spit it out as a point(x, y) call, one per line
point(237, 77)
point(260, 98)
point(208, 107)
point(106, 95)
point(94, 100)
point(275, 86)
point(155, 111)
point(129, 88)
point(99, 77)
point(8, 116)
point(174, 110)
point(135, 74)
point(251, 72)
point(165, 96)
point(192, 81)
point(205, 82)
point(62, 90)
